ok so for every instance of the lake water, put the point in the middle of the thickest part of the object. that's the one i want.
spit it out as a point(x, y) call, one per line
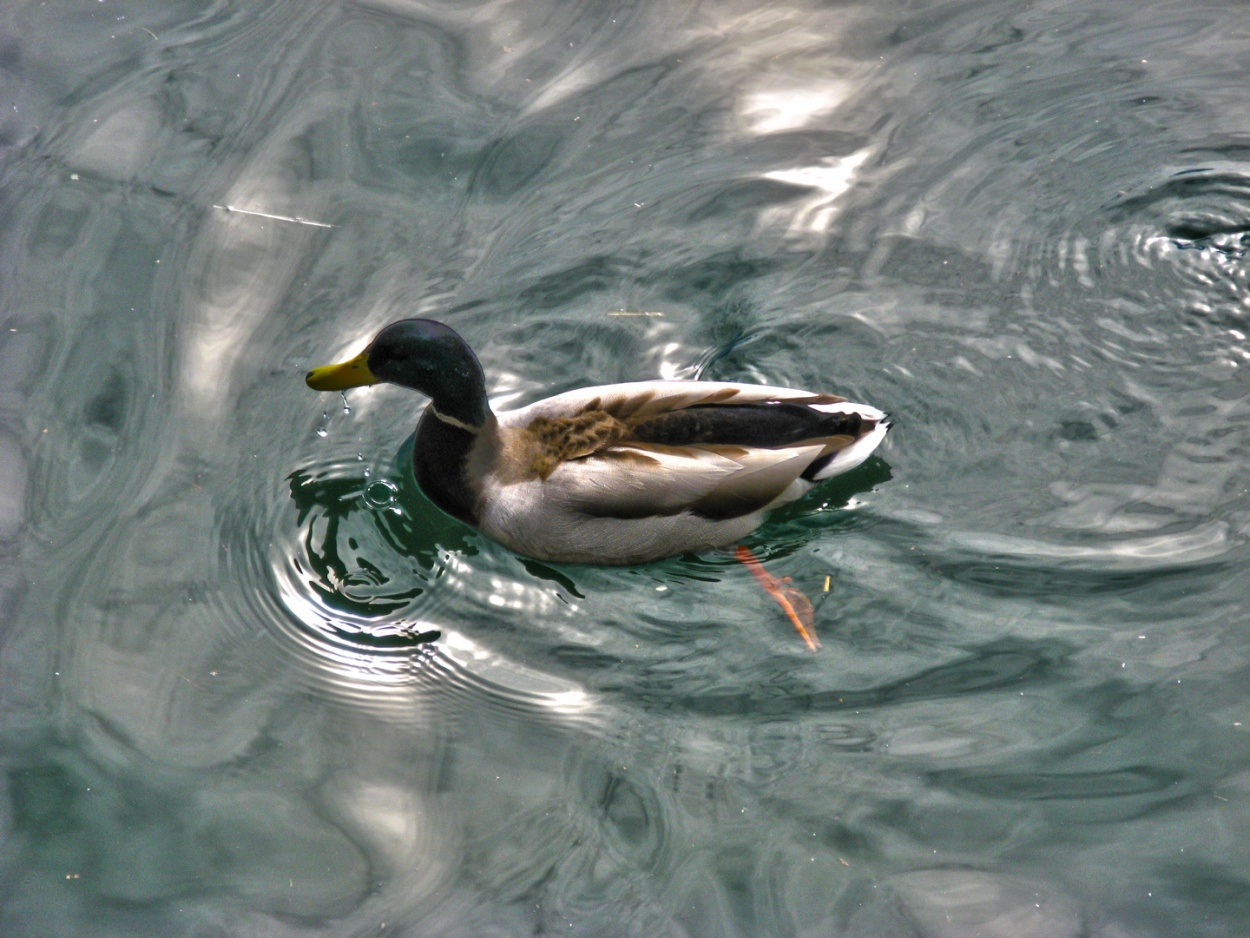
point(1022, 229)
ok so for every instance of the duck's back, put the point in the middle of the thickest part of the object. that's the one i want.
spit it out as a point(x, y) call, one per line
point(633, 472)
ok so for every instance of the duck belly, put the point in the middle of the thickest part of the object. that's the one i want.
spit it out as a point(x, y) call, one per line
point(545, 530)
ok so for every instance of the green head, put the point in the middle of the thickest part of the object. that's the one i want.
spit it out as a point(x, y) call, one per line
point(421, 354)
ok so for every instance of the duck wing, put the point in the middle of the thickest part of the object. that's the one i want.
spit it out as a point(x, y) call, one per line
point(714, 449)
point(638, 400)
point(713, 481)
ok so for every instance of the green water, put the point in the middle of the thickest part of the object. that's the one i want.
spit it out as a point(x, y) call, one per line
point(1023, 230)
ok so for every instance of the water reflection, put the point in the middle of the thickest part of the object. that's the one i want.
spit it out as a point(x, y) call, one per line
point(830, 180)
point(1021, 229)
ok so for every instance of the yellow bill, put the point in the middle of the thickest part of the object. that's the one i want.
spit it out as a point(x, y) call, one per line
point(349, 374)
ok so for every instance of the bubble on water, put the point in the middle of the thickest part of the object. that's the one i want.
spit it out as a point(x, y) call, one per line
point(380, 494)
point(324, 430)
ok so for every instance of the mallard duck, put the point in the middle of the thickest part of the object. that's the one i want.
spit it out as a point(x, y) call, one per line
point(616, 474)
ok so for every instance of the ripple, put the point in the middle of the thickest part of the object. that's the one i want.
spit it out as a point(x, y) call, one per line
point(1044, 786)
point(997, 666)
point(1153, 553)
point(367, 633)
point(1021, 228)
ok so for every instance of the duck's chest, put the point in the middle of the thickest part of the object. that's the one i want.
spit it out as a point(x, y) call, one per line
point(440, 458)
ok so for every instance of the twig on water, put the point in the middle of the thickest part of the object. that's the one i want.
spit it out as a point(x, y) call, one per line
point(293, 219)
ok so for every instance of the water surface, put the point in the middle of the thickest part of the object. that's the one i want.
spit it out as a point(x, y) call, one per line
point(1021, 229)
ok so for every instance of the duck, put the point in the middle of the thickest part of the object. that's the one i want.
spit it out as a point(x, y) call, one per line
point(615, 474)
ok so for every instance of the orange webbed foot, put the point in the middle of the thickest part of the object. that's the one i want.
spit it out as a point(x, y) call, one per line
point(791, 599)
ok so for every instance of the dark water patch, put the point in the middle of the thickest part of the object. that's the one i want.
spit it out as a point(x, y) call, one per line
point(591, 275)
point(1047, 786)
point(997, 666)
point(513, 162)
point(543, 571)
point(1225, 885)
point(711, 278)
point(1061, 584)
